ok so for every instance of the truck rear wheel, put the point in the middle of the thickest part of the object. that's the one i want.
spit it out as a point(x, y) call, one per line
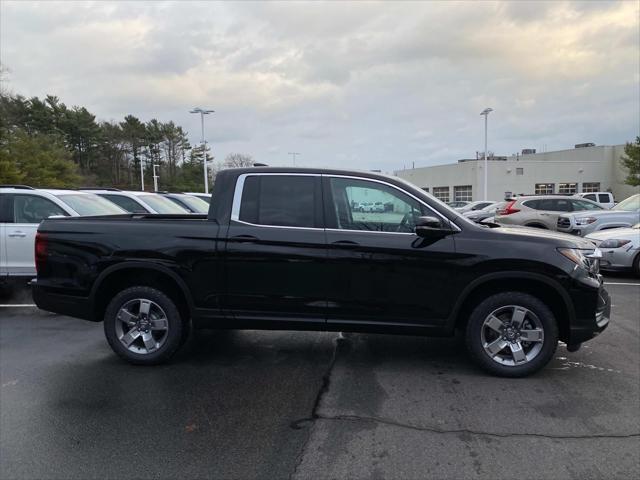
point(143, 326)
point(512, 334)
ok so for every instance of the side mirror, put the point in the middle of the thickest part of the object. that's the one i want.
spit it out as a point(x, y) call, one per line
point(429, 226)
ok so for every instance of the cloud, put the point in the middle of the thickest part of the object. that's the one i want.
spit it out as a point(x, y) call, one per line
point(348, 84)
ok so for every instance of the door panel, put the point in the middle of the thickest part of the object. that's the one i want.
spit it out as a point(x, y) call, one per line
point(380, 272)
point(275, 256)
point(3, 251)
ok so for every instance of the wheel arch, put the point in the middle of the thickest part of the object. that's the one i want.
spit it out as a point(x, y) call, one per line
point(128, 274)
point(546, 289)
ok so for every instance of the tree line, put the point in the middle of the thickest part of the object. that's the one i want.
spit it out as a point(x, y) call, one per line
point(44, 143)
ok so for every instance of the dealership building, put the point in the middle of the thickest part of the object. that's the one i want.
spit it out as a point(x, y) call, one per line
point(585, 168)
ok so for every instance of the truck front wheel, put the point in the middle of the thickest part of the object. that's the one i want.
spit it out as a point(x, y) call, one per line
point(512, 334)
point(143, 326)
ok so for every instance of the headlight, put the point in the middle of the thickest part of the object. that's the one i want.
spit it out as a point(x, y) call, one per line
point(614, 243)
point(584, 220)
point(587, 259)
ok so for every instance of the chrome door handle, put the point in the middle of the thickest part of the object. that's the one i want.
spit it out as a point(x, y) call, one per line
point(17, 234)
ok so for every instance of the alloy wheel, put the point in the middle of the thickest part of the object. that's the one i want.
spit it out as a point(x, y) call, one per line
point(142, 326)
point(512, 335)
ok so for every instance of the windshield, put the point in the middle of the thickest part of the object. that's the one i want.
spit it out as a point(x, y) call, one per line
point(631, 204)
point(88, 204)
point(494, 206)
point(196, 204)
point(161, 204)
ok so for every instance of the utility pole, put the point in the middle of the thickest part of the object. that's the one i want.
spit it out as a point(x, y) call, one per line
point(141, 176)
point(294, 154)
point(202, 113)
point(155, 178)
point(486, 113)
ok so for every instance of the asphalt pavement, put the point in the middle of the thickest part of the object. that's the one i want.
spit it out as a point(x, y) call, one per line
point(250, 404)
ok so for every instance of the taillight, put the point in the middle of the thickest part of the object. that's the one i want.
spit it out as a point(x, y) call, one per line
point(508, 209)
point(41, 250)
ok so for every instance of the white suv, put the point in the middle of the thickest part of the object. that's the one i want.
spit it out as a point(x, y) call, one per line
point(22, 209)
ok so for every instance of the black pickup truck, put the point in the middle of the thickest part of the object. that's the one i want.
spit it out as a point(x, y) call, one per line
point(291, 249)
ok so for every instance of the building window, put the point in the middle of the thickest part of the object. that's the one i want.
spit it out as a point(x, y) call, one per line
point(591, 187)
point(441, 193)
point(544, 188)
point(567, 188)
point(519, 171)
point(426, 189)
point(462, 193)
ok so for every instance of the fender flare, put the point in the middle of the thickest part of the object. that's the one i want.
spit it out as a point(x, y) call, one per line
point(134, 264)
point(516, 275)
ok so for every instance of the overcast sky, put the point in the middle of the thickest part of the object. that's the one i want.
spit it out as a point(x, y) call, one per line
point(361, 85)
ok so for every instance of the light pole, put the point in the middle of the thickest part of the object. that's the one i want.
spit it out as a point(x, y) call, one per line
point(155, 178)
point(294, 154)
point(486, 113)
point(202, 113)
point(141, 176)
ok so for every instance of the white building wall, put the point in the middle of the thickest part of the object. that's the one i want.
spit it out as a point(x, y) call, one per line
point(580, 165)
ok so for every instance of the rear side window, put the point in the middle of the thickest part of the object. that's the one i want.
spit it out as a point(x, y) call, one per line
point(604, 198)
point(554, 205)
point(127, 203)
point(34, 209)
point(279, 200)
point(535, 204)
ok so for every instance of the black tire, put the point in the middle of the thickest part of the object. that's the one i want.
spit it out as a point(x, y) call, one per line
point(492, 304)
point(636, 265)
point(176, 333)
point(537, 225)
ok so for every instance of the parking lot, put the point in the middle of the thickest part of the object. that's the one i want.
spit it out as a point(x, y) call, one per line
point(250, 404)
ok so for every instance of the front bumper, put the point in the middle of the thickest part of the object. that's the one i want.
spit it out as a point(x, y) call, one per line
point(588, 326)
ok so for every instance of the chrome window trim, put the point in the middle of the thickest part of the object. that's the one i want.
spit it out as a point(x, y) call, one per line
point(237, 197)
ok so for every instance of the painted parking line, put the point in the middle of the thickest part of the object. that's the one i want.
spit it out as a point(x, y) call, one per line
point(17, 305)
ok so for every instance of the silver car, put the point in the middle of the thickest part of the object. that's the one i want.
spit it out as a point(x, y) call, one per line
point(620, 248)
point(624, 214)
point(542, 211)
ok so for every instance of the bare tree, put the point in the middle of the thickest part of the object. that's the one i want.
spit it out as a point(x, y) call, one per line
point(237, 160)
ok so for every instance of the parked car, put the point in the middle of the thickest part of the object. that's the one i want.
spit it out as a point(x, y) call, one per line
point(624, 214)
point(620, 248)
point(282, 250)
point(604, 199)
point(22, 208)
point(457, 204)
point(477, 205)
point(484, 213)
point(139, 202)
point(202, 196)
point(542, 211)
point(190, 203)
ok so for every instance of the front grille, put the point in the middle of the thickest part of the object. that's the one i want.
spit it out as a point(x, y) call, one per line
point(564, 222)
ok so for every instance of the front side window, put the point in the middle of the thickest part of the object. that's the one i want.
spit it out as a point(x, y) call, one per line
point(393, 210)
point(279, 200)
point(591, 196)
point(162, 205)
point(33, 209)
point(441, 193)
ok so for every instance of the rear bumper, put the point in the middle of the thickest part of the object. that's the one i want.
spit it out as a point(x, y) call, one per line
point(70, 305)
